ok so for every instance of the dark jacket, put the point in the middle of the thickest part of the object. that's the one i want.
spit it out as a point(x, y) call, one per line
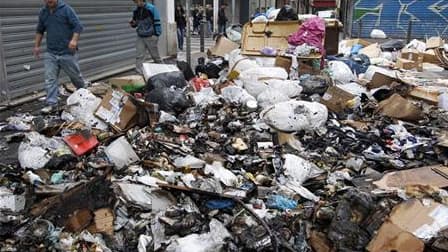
point(60, 26)
point(147, 20)
point(222, 19)
point(180, 19)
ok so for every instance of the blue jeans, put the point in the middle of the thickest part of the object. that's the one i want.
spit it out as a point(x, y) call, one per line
point(180, 37)
point(222, 28)
point(53, 65)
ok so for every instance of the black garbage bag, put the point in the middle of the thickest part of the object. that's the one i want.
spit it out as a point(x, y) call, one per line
point(392, 45)
point(211, 69)
point(166, 80)
point(286, 13)
point(169, 99)
point(186, 70)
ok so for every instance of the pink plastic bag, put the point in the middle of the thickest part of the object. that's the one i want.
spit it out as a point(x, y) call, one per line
point(311, 32)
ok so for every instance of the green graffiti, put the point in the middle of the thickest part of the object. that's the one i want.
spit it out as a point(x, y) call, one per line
point(361, 12)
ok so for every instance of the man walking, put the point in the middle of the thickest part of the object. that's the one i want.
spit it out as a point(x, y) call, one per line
point(63, 28)
point(146, 20)
point(222, 19)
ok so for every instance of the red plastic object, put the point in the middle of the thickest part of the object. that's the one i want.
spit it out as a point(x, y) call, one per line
point(199, 83)
point(80, 143)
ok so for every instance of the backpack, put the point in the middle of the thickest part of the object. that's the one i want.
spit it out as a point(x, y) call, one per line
point(145, 24)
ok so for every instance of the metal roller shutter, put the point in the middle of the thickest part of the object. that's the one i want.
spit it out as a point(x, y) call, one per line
point(106, 44)
point(430, 17)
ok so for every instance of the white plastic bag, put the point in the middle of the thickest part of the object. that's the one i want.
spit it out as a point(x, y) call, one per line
point(299, 169)
point(236, 95)
point(120, 152)
point(205, 242)
point(253, 79)
point(240, 63)
point(341, 72)
point(294, 115)
point(271, 96)
point(205, 96)
point(378, 34)
point(221, 173)
point(291, 88)
point(189, 161)
point(81, 107)
point(36, 150)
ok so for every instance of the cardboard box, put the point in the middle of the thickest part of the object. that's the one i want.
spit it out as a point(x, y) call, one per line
point(336, 99)
point(390, 237)
point(103, 222)
point(117, 109)
point(129, 83)
point(352, 42)
point(417, 176)
point(399, 108)
point(373, 50)
point(380, 79)
point(410, 64)
point(222, 47)
point(434, 42)
point(424, 219)
point(426, 94)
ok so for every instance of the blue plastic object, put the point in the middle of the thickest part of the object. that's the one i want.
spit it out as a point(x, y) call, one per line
point(281, 202)
point(220, 204)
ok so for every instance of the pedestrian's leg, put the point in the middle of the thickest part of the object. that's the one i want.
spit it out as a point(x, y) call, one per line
point(182, 38)
point(141, 52)
point(179, 38)
point(69, 64)
point(52, 70)
point(152, 45)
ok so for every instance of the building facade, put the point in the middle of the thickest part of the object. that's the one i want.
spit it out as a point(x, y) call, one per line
point(107, 44)
point(397, 17)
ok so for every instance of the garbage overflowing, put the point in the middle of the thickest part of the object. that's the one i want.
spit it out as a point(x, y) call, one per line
point(243, 156)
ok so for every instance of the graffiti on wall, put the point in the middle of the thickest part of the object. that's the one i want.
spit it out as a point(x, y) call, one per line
point(429, 17)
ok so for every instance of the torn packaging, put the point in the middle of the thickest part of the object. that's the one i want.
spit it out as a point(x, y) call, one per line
point(117, 109)
point(400, 108)
point(392, 238)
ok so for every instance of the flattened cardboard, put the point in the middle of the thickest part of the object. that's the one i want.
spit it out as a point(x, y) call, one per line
point(222, 47)
point(117, 109)
point(434, 42)
point(430, 57)
point(399, 108)
point(373, 50)
point(426, 94)
point(336, 99)
point(423, 218)
point(103, 222)
point(410, 64)
point(418, 176)
point(352, 42)
point(379, 80)
point(390, 237)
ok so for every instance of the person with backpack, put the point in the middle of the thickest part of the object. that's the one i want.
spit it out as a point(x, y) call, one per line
point(146, 21)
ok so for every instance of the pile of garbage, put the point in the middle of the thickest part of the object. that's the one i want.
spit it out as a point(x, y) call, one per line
point(239, 156)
